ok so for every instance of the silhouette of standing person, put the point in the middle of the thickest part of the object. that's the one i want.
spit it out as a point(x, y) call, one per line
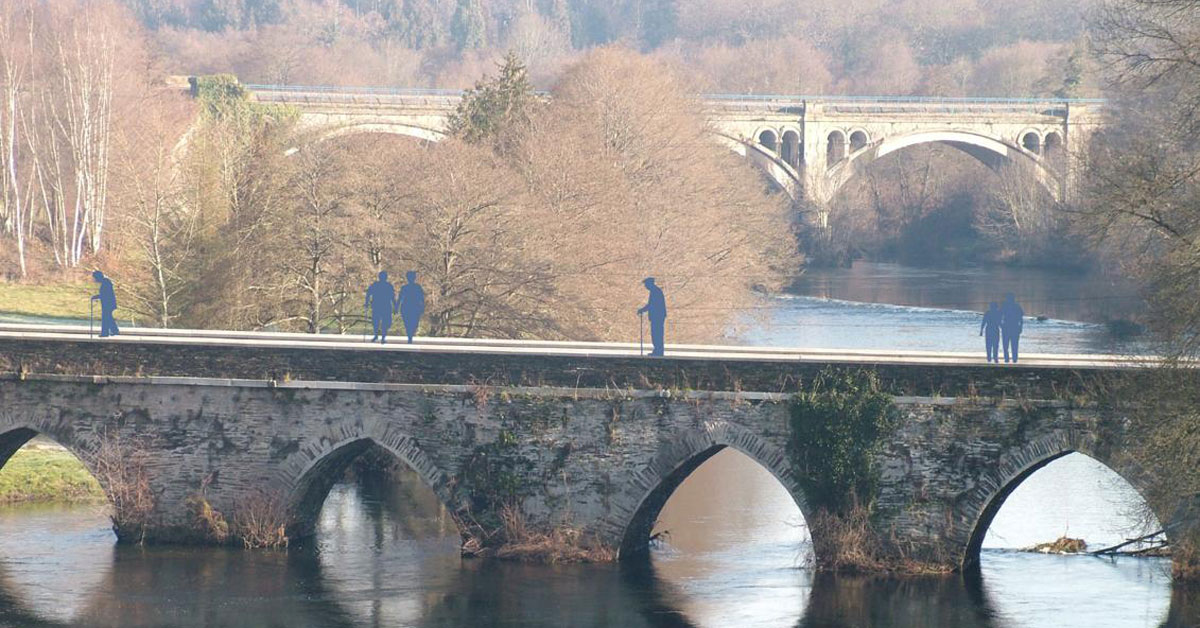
point(991, 324)
point(1012, 322)
point(108, 302)
point(411, 304)
point(381, 297)
point(656, 308)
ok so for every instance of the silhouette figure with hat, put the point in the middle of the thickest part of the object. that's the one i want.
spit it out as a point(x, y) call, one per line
point(108, 303)
point(656, 309)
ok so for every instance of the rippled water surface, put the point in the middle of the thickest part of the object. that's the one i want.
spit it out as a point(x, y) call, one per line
point(887, 306)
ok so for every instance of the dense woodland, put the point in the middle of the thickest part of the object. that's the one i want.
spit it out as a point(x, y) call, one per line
point(955, 47)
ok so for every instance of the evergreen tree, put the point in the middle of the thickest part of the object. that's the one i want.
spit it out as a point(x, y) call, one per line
point(1072, 74)
point(469, 29)
point(658, 21)
point(495, 106)
point(418, 24)
point(559, 14)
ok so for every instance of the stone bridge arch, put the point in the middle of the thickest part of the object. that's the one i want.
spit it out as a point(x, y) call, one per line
point(383, 128)
point(992, 152)
point(321, 133)
point(308, 474)
point(15, 432)
point(636, 508)
point(768, 161)
point(978, 508)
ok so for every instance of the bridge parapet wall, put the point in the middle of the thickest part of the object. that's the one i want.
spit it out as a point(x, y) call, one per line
point(397, 364)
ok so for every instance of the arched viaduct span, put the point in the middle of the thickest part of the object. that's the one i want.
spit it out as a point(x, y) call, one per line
point(809, 146)
point(597, 437)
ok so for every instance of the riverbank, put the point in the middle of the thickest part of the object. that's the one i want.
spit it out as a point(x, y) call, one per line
point(51, 300)
point(44, 472)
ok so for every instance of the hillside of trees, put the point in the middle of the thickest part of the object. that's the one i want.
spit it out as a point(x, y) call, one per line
point(935, 47)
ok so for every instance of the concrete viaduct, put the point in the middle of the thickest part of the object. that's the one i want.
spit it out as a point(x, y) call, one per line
point(585, 434)
point(809, 146)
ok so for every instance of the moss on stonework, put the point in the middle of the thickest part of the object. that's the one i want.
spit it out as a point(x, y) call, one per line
point(490, 480)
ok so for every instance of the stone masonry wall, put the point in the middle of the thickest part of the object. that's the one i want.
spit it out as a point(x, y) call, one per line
point(604, 461)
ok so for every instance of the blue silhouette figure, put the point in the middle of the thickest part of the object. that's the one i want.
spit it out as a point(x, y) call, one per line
point(411, 304)
point(656, 308)
point(1012, 322)
point(381, 297)
point(991, 325)
point(108, 303)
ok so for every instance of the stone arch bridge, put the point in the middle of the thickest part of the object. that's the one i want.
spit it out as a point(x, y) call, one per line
point(809, 146)
point(592, 435)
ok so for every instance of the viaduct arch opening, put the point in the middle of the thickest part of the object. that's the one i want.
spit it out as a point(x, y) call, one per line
point(994, 153)
point(1108, 495)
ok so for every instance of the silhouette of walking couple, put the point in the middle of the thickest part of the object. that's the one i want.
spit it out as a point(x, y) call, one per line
point(1002, 323)
point(383, 302)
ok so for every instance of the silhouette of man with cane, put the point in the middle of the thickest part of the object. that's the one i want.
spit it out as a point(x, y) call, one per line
point(381, 297)
point(656, 309)
point(108, 302)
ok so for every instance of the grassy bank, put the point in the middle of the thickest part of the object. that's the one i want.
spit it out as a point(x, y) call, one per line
point(57, 300)
point(44, 472)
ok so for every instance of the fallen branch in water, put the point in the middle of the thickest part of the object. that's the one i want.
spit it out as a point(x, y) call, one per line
point(1158, 544)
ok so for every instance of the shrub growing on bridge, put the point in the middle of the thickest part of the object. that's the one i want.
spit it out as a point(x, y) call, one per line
point(837, 425)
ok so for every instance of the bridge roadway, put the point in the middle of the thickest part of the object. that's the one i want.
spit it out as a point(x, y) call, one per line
point(468, 346)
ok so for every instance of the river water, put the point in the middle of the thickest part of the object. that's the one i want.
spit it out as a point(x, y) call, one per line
point(736, 550)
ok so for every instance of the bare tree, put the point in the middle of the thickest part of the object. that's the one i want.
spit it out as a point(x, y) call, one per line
point(485, 260)
point(1140, 206)
point(653, 194)
point(1144, 167)
point(81, 111)
point(309, 242)
point(158, 232)
point(16, 41)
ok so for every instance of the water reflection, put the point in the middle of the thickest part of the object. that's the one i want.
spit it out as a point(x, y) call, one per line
point(846, 602)
point(731, 527)
point(379, 563)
